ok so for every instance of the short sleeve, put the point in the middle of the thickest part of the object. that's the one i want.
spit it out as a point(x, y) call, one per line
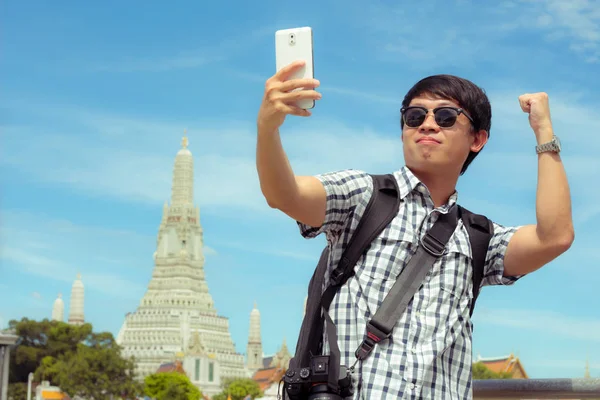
point(494, 262)
point(346, 191)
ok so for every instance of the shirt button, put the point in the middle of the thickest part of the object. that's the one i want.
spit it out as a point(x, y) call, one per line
point(412, 386)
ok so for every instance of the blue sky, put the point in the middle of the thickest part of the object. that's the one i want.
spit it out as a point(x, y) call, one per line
point(95, 98)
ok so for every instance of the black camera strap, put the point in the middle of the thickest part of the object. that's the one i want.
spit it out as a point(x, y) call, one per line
point(431, 247)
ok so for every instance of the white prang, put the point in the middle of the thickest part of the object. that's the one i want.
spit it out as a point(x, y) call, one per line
point(76, 316)
point(177, 312)
point(254, 350)
point(58, 309)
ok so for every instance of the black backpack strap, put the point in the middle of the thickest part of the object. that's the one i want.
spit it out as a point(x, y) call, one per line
point(311, 332)
point(480, 230)
point(380, 211)
point(382, 208)
point(431, 247)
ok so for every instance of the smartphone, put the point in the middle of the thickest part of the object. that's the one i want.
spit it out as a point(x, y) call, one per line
point(292, 45)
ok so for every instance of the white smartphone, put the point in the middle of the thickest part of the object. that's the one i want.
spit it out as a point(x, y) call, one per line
point(293, 45)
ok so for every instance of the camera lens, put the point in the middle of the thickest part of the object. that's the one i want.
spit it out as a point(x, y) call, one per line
point(321, 392)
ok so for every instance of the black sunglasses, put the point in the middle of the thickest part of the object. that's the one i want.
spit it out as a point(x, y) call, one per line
point(445, 117)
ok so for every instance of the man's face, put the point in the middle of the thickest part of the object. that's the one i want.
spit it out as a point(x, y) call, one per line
point(432, 149)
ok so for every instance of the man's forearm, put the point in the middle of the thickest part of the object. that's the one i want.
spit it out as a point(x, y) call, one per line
point(277, 180)
point(553, 199)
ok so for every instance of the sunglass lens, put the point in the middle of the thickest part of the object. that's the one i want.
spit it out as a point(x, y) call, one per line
point(414, 117)
point(445, 117)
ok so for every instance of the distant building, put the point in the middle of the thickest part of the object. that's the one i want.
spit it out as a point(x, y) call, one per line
point(254, 350)
point(45, 391)
point(76, 316)
point(510, 364)
point(76, 306)
point(58, 309)
point(176, 319)
point(274, 367)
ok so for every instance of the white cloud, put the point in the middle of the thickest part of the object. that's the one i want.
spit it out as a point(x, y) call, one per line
point(101, 154)
point(269, 251)
point(576, 22)
point(395, 36)
point(578, 328)
point(361, 95)
point(189, 59)
point(578, 365)
point(209, 251)
point(37, 245)
point(121, 166)
point(55, 269)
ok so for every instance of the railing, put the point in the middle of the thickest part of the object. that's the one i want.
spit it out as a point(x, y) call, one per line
point(536, 389)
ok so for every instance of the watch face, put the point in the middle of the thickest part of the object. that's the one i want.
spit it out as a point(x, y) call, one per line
point(556, 141)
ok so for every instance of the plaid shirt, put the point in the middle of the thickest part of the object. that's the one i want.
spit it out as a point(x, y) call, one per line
point(429, 353)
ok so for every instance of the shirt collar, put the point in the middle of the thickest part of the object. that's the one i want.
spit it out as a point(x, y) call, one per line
point(408, 182)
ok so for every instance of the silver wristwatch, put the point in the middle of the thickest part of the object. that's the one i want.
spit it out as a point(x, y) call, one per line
point(553, 145)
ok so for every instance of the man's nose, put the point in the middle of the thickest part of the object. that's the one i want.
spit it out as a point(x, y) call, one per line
point(429, 123)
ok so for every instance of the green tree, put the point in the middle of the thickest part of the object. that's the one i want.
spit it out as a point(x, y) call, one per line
point(17, 391)
point(74, 358)
point(170, 386)
point(238, 389)
point(480, 371)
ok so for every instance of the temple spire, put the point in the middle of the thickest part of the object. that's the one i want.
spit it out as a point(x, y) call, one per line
point(58, 310)
point(587, 369)
point(184, 140)
point(76, 314)
point(182, 189)
point(254, 350)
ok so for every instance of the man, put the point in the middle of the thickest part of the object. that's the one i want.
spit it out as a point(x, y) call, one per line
point(445, 123)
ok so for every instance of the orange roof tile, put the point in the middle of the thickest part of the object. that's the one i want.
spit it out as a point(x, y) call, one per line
point(509, 364)
point(265, 377)
point(171, 367)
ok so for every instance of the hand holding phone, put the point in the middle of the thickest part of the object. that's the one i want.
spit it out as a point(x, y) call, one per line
point(293, 45)
point(291, 91)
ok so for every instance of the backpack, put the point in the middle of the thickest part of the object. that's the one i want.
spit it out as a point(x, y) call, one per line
point(380, 211)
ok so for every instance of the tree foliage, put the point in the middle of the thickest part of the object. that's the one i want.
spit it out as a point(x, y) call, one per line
point(170, 386)
point(481, 371)
point(17, 391)
point(74, 358)
point(238, 389)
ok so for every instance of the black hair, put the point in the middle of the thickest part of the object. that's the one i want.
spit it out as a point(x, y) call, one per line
point(468, 95)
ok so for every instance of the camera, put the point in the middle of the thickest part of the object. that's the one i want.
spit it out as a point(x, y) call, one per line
point(310, 383)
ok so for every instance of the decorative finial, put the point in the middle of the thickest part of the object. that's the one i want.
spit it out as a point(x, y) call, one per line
point(78, 276)
point(184, 141)
point(255, 305)
point(59, 295)
point(586, 374)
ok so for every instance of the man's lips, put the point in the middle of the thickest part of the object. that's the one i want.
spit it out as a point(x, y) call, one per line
point(428, 140)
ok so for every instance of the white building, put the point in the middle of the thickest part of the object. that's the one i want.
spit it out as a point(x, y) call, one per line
point(58, 309)
point(177, 306)
point(254, 350)
point(76, 316)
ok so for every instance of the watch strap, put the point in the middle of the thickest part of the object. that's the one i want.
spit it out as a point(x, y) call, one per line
point(548, 146)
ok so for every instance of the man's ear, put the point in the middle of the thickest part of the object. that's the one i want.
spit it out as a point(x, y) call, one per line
point(479, 140)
